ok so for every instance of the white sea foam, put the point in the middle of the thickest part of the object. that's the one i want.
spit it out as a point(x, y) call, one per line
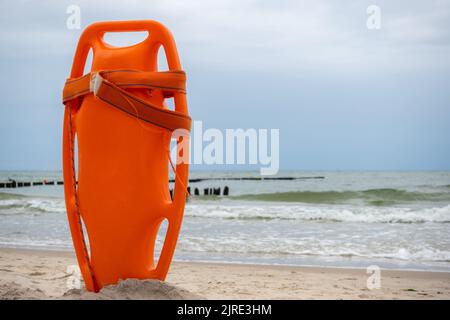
point(27, 205)
point(312, 247)
point(320, 213)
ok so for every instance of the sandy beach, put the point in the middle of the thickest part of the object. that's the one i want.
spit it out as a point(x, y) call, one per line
point(33, 274)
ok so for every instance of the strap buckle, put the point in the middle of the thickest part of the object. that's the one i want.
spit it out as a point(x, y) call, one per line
point(95, 83)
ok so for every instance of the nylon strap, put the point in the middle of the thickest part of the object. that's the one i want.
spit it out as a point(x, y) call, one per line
point(109, 86)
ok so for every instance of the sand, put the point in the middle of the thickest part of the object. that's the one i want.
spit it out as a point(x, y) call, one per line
point(33, 274)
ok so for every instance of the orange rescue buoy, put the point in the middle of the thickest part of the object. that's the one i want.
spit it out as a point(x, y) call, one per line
point(123, 129)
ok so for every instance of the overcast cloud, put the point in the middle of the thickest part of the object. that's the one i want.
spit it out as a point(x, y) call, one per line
point(343, 96)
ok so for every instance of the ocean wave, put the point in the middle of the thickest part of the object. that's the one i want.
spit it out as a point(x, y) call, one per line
point(320, 214)
point(308, 247)
point(11, 204)
point(8, 196)
point(375, 197)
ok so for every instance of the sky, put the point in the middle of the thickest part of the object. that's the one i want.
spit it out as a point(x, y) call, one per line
point(344, 97)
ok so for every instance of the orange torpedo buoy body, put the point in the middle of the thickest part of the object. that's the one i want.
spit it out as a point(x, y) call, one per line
point(122, 129)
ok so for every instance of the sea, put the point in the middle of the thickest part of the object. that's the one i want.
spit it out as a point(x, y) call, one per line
point(393, 220)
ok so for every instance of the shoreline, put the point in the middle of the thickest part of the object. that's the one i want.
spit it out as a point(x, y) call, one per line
point(42, 274)
point(362, 264)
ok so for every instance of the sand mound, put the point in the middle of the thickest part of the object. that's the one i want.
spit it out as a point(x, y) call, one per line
point(133, 289)
point(130, 289)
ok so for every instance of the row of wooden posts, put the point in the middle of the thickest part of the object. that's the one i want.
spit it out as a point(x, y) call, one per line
point(207, 191)
point(196, 191)
point(18, 184)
